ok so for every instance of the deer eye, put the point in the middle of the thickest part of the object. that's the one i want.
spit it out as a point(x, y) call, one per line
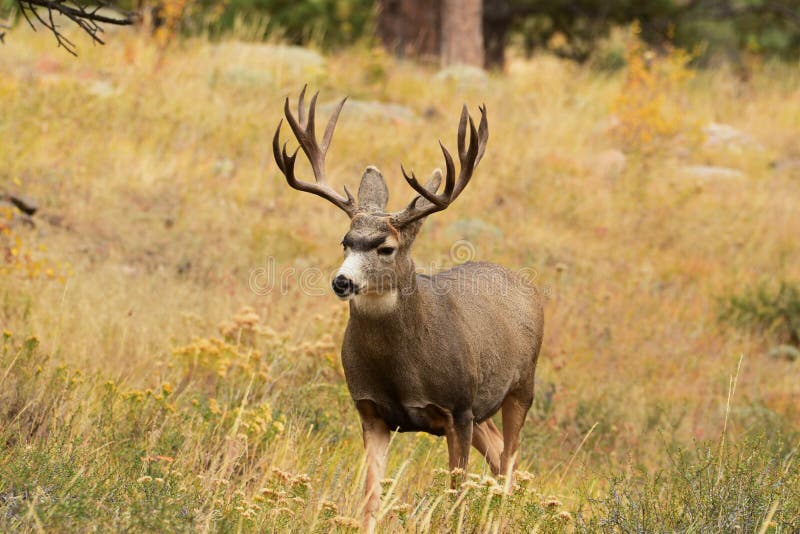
point(385, 251)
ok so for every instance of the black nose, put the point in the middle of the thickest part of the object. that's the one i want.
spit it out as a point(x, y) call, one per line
point(343, 286)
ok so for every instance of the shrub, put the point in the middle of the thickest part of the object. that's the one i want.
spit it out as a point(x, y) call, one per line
point(741, 489)
point(329, 23)
point(764, 309)
point(647, 106)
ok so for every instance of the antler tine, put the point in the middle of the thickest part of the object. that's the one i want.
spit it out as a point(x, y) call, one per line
point(301, 109)
point(468, 157)
point(462, 131)
point(304, 131)
point(276, 146)
point(450, 173)
point(328, 135)
point(468, 161)
point(483, 134)
point(293, 123)
point(311, 125)
point(305, 137)
point(419, 188)
point(288, 163)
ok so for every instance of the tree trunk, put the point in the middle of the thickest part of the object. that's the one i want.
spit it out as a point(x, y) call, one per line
point(462, 32)
point(497, 18)
point(410, 27)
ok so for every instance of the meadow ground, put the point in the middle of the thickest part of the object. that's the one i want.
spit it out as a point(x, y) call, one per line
point(151, 380)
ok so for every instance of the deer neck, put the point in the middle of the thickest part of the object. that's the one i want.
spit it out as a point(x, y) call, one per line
point(389, 305)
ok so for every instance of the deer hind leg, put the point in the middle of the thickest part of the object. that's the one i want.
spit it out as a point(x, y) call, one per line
point(376, 443)
point(497, 436)
point(485, 441)
point(515, 408)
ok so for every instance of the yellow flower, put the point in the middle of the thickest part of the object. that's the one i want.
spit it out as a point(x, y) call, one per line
point(329, 506)
point(282, 475)
point(551, 502)
point(523, 476)
point(346, 522)
point(302, 480)
point(401, 508)
point(282, 510)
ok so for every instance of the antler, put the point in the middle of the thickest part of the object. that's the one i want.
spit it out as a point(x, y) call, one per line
point(304, 131)
point(468, 159)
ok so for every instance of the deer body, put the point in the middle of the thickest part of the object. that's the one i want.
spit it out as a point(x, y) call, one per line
point(438, 354)
point(465, 357)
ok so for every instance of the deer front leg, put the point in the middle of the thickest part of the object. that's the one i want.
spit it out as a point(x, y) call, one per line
point(458, 432)
point(376, 444)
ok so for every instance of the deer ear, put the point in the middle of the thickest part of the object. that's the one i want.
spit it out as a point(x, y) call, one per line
point(432, 186)
point(373, 193)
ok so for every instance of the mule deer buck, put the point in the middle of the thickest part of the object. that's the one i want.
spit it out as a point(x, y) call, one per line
point(439, 354)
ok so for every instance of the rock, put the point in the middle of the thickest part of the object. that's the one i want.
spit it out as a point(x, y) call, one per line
point(726, 136)
point(184, 266)
point(472, 228)
point(243, 76)
point(785, 352)
point(464, 75)
point(372, 109)
point(605, 126)
point(224, 168)
point(608, 163)
point(128, 269)
point(101, 88)
point(248, 61)
point(26, 205)
point(790, 166)
point(710, 172)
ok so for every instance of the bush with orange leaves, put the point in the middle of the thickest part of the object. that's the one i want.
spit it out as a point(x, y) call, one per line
point(164, 18)
point(648, 105)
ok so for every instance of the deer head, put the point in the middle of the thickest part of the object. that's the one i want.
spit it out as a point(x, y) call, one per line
point(377, 245)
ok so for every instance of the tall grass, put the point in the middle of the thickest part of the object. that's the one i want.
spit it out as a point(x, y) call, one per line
point(144, 385)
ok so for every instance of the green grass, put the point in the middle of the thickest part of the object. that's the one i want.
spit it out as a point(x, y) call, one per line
point(775, 312)
point(751, 486)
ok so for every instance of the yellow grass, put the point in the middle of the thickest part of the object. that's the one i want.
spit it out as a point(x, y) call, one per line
point(160, 199)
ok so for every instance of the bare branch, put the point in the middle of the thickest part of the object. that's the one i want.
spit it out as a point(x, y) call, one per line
point(86, 17)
